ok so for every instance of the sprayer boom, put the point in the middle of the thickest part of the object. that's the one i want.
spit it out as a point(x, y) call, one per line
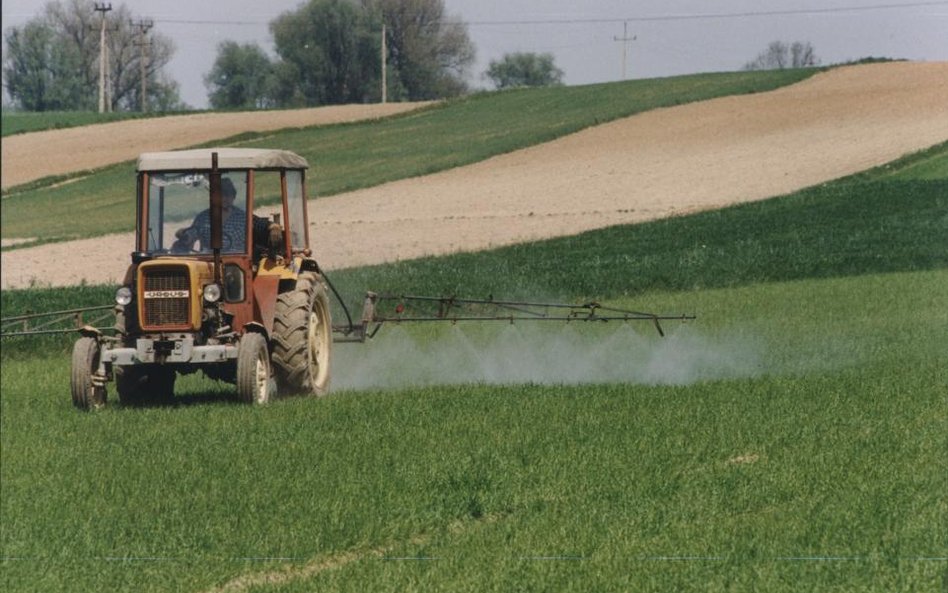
point(379, 309)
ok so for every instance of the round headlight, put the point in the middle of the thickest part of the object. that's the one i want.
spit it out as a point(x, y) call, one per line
point(212, 293)
point(123, 296)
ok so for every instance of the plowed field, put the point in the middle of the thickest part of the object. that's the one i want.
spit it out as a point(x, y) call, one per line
point(660, 163)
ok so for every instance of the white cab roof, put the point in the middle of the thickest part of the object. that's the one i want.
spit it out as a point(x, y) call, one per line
point(227, 158)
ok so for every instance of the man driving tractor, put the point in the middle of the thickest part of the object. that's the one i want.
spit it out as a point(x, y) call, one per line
point(265, 232)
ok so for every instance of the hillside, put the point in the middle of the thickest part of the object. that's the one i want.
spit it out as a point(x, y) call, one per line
point(27, 157)
point(652, 165)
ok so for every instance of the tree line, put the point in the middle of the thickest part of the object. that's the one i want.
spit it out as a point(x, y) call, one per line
point(780, 55)
point(326, 52)
point(52, 61)
point(330, 52)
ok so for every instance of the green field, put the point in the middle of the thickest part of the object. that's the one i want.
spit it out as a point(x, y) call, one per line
point(22, 122)
point(793, 438)
point(352, 156)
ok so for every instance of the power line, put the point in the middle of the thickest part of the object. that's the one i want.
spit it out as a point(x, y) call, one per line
point(606, 20)
point(204, 22)
point(705, 16)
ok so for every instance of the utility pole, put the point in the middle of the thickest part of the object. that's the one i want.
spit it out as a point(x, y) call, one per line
point(143, 27)
point(384, 67)
point(625, 39)
point(104, 104)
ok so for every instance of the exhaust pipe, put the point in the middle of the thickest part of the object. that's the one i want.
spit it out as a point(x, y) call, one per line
point(217, 223)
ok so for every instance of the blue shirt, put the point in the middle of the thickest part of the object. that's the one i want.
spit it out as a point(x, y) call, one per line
point(233, 239)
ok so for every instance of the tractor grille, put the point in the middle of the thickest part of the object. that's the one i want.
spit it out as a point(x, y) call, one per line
point(166, 298)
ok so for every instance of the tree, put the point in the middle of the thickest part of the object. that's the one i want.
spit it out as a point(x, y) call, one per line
point(39, 71)
point(166, 95)
point(779, 55)
point(73, 24)
point(286, 89)
point(428, 56)
point(331, 51)
point(67, 70)
point(524, 69)
point(242, 77)
point(125, 61)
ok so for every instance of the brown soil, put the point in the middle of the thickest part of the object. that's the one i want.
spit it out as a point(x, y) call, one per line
point(661, 163)
point(27, 157)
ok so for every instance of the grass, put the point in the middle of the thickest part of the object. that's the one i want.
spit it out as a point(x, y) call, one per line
point(815, 461)
point(934, 167)
point(843, 460)
point(22, 122)
point(351, 156)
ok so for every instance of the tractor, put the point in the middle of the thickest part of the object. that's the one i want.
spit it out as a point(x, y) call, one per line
point(212, 286)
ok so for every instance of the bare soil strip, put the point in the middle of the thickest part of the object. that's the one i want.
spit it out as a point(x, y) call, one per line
point(27, 157)
point(320, 564)
point(10, 242)
point(310, 570)
point(657, 164)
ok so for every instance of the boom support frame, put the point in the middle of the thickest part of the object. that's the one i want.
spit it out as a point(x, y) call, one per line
point(381, 309)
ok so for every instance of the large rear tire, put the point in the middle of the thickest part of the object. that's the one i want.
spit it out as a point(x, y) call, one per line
point(85, 363)
point(144, 385)
point(302, 337)
point(253, 369)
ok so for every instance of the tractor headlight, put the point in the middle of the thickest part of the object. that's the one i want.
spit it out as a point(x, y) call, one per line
point(123, 296)
point(212, 293)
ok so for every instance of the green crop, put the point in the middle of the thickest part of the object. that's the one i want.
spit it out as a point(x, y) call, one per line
point(22, 122)
point(831, 445)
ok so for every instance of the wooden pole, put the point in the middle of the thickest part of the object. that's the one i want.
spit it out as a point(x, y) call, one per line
point(625, 39)
point(143, 27)
point(384, 67)
point(103, 58)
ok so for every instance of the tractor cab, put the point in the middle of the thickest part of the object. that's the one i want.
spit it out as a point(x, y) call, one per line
point(175, 208)
point(263, 228)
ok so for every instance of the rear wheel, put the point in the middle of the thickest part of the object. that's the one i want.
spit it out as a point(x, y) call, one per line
point(143, 385)
point(253, 369)
point(85, 362)
point(302, 337)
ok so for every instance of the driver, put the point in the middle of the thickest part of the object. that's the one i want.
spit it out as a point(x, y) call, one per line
point(233, 227)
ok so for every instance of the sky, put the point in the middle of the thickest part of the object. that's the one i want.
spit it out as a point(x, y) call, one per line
point(664, 37)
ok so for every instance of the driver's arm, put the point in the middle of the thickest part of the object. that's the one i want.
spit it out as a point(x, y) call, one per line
point(186, 238)
point(189, 235)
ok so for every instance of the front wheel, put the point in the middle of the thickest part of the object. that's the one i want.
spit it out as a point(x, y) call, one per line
point(253, 369)
point(85, 363)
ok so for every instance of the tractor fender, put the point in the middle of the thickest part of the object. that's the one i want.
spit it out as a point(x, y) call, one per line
point(256, 327)
point(309, 265)
point(89, 332)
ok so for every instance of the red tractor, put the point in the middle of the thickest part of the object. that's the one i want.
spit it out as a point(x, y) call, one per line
point(213, 286)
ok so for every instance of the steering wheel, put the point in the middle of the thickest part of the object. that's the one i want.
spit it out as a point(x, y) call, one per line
point(182, 246)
